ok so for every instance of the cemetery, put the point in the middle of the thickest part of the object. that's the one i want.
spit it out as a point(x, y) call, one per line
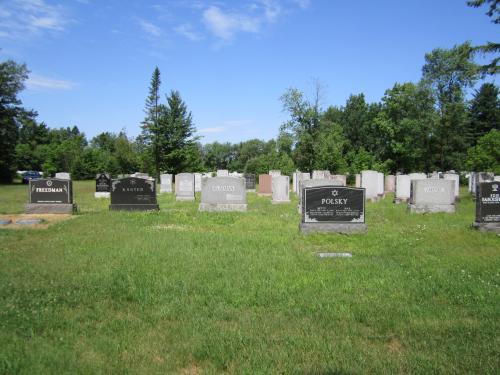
point(249, 187)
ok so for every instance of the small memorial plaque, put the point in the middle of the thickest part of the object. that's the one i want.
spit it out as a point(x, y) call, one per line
point(333, 209)
point(133, 193)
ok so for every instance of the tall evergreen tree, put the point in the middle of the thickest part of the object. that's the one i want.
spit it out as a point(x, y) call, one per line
point(150, 136)
point(484, 111)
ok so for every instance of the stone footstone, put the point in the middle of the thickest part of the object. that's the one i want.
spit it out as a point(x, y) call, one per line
point(29, 221)
point(335, 255)
point(423, 209)
point(487, 227)
point(346, 228)
point(5, 221)
point(48, 208)
point(102, 194)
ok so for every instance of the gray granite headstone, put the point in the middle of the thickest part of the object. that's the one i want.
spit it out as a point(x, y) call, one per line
point(197, 182)
point(63, 176)
point(274, 173)
point(184, 187)
point(280, 189)
point(432, 195)
point(369, 182)
point(223, 194)
point(165, 183)
point(222, 173)
point(403, 188)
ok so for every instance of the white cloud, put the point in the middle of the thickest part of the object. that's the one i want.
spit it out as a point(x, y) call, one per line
point(217, 129)
point(37, 82)
point(150, 28)
point(302, 3)
point(20, 19)
point(225, 24)
point(187, 31)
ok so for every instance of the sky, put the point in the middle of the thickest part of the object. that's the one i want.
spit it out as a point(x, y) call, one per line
point(91, 61)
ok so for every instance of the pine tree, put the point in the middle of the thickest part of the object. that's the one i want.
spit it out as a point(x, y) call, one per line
point(484, 111)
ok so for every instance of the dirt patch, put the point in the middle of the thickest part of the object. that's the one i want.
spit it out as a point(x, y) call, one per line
point(395, 346)
point(48, 219)
point(191, 370)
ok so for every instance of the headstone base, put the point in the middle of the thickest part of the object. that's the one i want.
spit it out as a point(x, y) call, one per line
point(222, 207)
point(190, 199)
point(347, 228)
point(280, 202)
point(487, 227)
point(50, 208)
point(134, 207)
point(102, 194)
point(421, 209)
point(401, 200)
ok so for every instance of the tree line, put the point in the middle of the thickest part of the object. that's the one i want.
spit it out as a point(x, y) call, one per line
point(442, 122)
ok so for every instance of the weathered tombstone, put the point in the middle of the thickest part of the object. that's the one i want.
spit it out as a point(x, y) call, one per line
point(369, 182)
point(265, 185)
point(184, 187)
point(133, 194)
point(280, 189)
point(314, 183)
point(63, 176)
point(197, 182)
point(417, 176)
point(50, 196)
point(294, 182)
point(470, 177)
point(336, 209)
point(496, 178)
point(380, 184)
point(140, 175)
point(403, 188)
point(222, 173)
point(456, 178)
point(165, 183)
point(223, 194)
point(357, 182)
point(250, 182)
point(102, 185)
point(390, 183)
point(275, 173)
point(301, 176)
point(488, 207)
point(339, 177)
point(432, 195)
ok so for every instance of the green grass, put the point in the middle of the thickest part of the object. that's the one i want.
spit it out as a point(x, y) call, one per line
point(186, 292)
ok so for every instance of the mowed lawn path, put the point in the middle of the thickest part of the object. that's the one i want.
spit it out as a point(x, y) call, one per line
point(185, 292)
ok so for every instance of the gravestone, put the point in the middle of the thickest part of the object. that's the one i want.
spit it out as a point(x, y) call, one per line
point(223, 194)
point(50, 196)
point(357, 182)
point(197, 182)
point(63, 176)
point(250, 182)
point(417, 176)
point(265, 185)
point(140, 175)
point(369, 182)
point(102, 185)
point(390, 183)
point(294, 182)
point(222, 173)
point(314, 183)
point(403, 188)
point(320, 175)
point(280, 189)
point(133, 194)
point(456, 178)
point(496, 178)
point(488, 207)
point(275, 173)
point(165, 183)
point(380, 184)
point(339, 177)
point(432, 195)
point(301, 176)
point(336, 209)
point(184, 187)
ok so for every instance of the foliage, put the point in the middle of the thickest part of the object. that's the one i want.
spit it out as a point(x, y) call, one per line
point(484, 111)
point(485, 156)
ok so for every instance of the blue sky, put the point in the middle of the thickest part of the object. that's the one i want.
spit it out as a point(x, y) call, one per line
point(91, 60)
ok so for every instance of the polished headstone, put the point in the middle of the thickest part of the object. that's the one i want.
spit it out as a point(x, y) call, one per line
point(50, 195)
point(250, 181)
point(488, 207)
point(133, 194)
point(265, 184)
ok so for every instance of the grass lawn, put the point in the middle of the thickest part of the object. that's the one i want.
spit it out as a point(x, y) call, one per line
point(185, 292)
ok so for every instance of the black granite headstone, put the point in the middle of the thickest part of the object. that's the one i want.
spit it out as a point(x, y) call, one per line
point(249, 181)
point(333, 209)
point(488, 206)
point(133, 193)
point(51, 191)
point(102, 183)
point(50, 196)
